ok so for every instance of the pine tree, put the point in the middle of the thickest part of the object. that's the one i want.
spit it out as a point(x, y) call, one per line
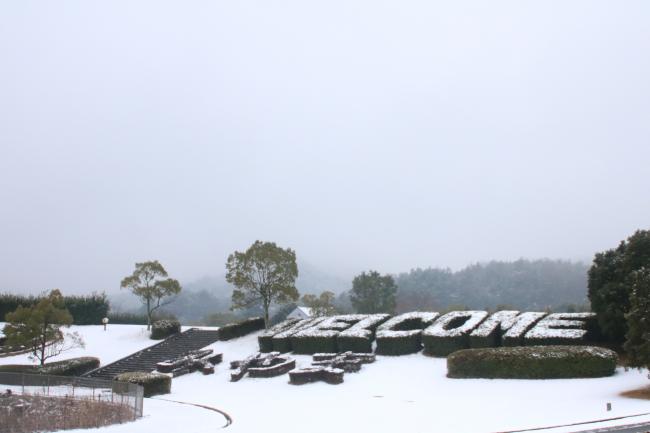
point(373, 293)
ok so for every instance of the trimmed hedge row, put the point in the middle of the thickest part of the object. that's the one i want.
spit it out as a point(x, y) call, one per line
point(162, 329)
point(451, 332)
point(239, 329)
point(85, 310)
point(532, 362)
point(68, 367)
point(153, 383)
point(402, 334)
point(333, 376)
point(265, 340)
point(127, 319)
point(343, 333)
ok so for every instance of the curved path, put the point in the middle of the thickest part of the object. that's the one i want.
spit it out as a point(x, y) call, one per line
point(629, 428)
point(202, 406)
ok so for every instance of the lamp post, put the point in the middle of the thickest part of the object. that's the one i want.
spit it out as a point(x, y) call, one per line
point(105, 322)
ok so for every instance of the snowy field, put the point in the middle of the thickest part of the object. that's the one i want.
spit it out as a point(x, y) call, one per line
point(407, 393)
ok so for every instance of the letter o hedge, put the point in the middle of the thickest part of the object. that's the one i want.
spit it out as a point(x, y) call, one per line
point(532, 362)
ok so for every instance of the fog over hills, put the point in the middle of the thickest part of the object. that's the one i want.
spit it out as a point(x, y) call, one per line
point(364, 135)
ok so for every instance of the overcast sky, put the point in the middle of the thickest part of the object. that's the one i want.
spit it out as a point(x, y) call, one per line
point(363, 134)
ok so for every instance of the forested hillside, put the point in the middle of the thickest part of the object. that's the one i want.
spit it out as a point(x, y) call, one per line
point(523, 284)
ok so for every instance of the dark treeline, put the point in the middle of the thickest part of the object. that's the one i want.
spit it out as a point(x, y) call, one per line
point(85, 310)
point(524, 284)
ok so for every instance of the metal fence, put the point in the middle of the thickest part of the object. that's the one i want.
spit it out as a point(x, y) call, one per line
point(69, 389)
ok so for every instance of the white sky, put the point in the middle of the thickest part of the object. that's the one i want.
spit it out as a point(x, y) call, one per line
point(363, 134)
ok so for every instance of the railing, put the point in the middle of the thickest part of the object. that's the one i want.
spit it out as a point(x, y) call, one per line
point(94, 398)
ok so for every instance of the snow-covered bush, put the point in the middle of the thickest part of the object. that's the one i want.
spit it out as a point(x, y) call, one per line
point(162, 329)
point(265, 340)
point(532, 362)
point(515, 334)
point(349, 362)
point(329, 375)
point(68, 367)
point(196, 360)
point(278, 367)
point(560, 328)
point(403, 334)
point(490, 331)
point(239, 329)
point(358, 337)
point(451, 332)
point(322, 336)
point(282, 340)
point(261, 365)
point(153, 383)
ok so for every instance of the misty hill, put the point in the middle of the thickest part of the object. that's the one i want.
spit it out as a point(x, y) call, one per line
point(522, 284)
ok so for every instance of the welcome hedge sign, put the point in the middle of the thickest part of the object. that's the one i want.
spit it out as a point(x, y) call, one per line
point(438, 335)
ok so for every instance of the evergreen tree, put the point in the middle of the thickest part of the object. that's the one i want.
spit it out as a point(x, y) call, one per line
point(610, 282)
point(373, 293)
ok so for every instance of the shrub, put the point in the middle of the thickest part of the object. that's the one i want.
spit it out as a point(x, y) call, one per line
point(275, 369)
point(68, 367)
point(153, 383)
point(532, 362)
point(239, 329)
point(329, 375)
point(451, 332)
point(164, 328)
point(127, 319)
point(403, 334)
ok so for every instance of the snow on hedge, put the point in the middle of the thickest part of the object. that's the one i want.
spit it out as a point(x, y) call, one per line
point(488, 333)
point(451, 332)
point(559, 328)
point(410, 332)
point(332, 325)
point(322, 337)
point(394, 328)
point(455, 324)
point(403, 334)
point(365, 327)
point(358, 337)
point(282, 341)
point(525, 321)
point(265, 339)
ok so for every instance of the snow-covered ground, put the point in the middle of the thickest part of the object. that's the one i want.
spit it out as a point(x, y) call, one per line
point(407, 393)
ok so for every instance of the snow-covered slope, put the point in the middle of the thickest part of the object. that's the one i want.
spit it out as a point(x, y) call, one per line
point(396, 394)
